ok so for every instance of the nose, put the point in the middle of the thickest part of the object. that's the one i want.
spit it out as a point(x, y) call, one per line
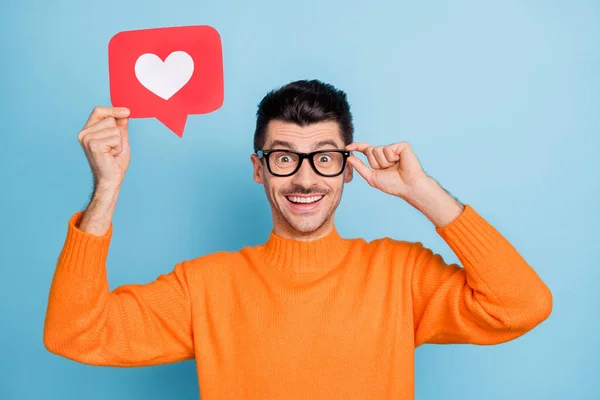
point(305, 176)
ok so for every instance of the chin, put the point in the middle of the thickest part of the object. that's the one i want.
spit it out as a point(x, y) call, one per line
point(306, 223)
point(306, 226)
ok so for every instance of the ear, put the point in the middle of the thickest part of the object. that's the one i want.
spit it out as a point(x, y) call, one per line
point(258, 169)
point(348, 173)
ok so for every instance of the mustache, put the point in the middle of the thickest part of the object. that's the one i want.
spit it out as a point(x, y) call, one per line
point(304, 191)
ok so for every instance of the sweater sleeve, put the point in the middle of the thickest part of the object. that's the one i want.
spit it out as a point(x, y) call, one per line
point(132, 325)
point(493, 298)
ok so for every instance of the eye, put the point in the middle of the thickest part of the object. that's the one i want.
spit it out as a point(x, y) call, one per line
point(284, 159)
point(324, 158)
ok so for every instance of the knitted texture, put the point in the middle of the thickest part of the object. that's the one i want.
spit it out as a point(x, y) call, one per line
point(334, 318)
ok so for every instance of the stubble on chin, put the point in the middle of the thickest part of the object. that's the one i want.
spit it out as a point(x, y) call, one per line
point(301, 223)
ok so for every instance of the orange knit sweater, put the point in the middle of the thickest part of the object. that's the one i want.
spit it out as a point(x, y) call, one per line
point(334, 318)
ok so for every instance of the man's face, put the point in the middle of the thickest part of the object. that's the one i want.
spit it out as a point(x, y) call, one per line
point(303, 204)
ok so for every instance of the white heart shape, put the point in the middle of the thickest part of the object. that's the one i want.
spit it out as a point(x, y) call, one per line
point(164, 78)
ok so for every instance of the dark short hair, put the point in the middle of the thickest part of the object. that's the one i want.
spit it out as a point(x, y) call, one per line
point(304, 102)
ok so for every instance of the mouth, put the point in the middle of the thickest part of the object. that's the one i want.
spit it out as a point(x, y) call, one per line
point(303, 203)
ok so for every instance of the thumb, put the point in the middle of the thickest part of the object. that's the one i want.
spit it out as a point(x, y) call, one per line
point(361, 168)
point(123, 124)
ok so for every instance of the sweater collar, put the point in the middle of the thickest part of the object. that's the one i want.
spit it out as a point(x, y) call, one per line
point(295, 256)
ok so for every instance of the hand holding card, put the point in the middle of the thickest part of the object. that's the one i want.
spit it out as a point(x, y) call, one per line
point(105, 142)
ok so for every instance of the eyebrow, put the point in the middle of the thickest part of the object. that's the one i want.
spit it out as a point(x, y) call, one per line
point(291, 146)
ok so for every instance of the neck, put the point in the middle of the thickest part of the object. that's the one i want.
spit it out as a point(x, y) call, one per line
point(308, 258)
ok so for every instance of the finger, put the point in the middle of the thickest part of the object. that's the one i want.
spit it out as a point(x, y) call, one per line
point(381, 157)
point(102, 134)
point(358, 146)
point(361, 168)
point(397, 148)
point(371, 157)
point(107, 145)
point(123, 124)
point(108, 122)
point(391, 154)
point(99, 113)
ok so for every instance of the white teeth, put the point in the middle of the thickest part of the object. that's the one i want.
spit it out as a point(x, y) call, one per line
point(304, 199)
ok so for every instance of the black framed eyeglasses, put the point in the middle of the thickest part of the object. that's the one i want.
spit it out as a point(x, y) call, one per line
point(328, 163)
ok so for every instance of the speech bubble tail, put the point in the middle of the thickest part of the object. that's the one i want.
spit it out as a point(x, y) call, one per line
point(176, 123)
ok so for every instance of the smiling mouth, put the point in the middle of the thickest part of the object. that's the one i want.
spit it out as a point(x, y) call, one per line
point(304, 199)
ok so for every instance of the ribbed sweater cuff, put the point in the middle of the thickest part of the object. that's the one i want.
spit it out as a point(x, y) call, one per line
point(83, 251)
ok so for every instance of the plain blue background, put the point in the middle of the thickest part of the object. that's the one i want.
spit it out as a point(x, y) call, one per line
point(499, 100)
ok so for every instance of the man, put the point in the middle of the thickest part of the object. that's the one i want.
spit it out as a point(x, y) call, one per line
point(308, 314)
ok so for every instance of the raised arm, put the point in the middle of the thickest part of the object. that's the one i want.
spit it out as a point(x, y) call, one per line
point(132, 325)
point(493, 298)
point(496, 297)
point(85, 321)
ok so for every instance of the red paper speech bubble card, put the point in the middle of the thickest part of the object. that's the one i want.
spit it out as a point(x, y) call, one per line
point(167, 73)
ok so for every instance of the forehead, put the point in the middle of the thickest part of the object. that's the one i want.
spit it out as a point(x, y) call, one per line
point(303, 138)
